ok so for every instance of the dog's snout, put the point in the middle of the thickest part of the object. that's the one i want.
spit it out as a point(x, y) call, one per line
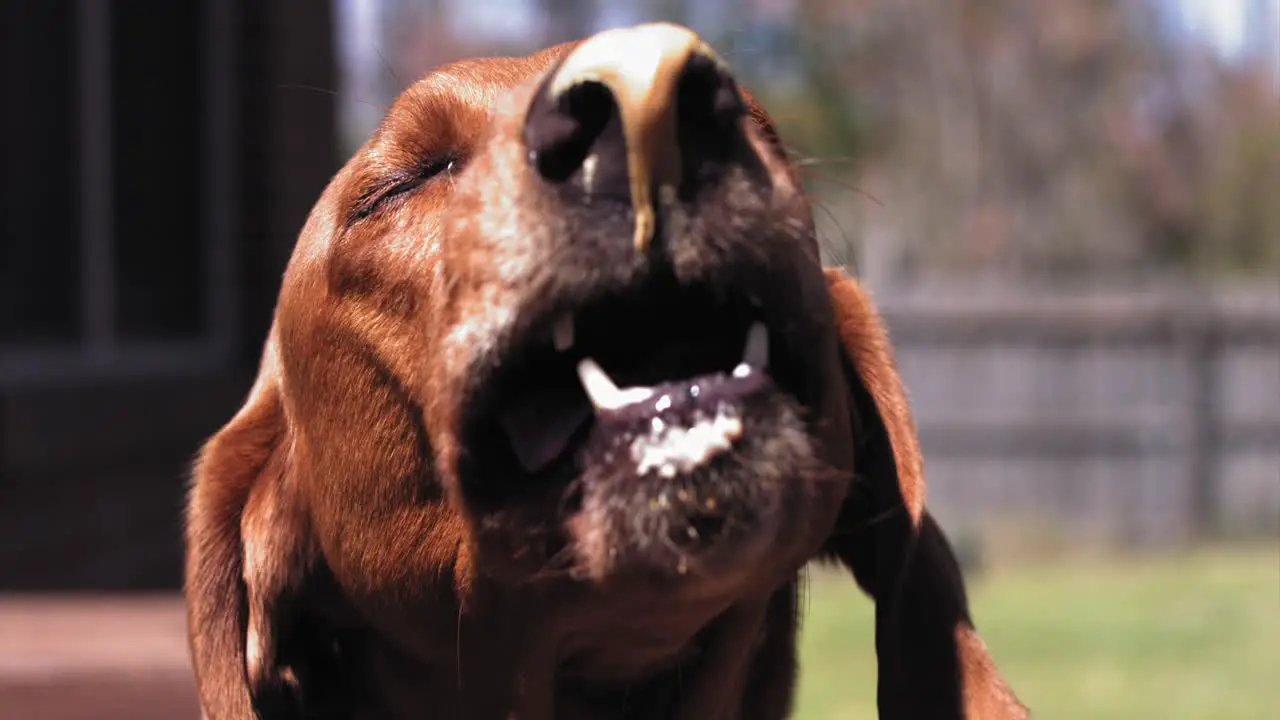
point(634, 113)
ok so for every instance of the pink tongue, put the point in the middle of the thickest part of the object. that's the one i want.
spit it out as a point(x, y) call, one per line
point(542, 423)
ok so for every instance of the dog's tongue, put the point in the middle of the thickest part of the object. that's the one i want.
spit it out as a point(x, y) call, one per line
point(541, 424)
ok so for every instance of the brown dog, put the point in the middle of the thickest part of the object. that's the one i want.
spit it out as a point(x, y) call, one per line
point(557, 404)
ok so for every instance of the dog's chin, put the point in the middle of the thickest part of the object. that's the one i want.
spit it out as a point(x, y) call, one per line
point(702, 492)
point(699, 491)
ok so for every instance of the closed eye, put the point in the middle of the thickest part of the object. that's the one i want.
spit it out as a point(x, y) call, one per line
point(401, 185)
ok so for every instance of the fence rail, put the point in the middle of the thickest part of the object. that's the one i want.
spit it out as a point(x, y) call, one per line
point(1156, 413)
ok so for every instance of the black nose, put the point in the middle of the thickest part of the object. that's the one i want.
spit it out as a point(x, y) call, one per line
point(644, 109)
point(583, 122)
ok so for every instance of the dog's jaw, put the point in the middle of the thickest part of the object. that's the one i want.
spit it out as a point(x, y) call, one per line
point(714, 522)
point(577, 360)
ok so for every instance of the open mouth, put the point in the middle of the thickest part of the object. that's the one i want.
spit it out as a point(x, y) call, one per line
point(658, 379)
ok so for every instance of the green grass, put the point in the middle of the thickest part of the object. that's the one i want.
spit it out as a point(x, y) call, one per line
point(1192, 637)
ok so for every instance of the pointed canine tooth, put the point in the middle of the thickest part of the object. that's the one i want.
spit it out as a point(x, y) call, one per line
point(756, 353)
point(562, 333)
point(742, 370)
point(603, 393)
point(599, 386)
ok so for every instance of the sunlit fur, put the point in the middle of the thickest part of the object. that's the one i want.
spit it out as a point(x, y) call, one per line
point(338, 561)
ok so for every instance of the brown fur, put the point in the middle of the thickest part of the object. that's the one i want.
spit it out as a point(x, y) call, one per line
point(340, 564)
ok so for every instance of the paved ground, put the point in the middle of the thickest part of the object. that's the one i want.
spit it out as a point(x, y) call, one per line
point(94, 658)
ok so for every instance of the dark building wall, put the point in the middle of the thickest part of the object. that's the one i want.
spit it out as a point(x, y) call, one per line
point(93, 464)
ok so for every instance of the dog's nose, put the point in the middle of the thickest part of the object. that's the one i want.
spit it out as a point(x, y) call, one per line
point(632, 113)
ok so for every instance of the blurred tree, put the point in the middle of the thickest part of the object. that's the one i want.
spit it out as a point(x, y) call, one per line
point(1043, 137)
point(1240, 210)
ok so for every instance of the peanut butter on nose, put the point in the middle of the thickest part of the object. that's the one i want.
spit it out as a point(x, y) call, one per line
point(641, 66)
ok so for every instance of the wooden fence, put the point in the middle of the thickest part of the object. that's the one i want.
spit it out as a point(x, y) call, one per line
point(1138, 418)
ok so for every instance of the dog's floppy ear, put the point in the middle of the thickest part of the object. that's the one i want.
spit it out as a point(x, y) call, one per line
point(249, 560)
point(932, 664)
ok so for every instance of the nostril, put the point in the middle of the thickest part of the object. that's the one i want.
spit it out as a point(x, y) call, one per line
point(708, 96)
point(560, 133)
point(709, 107)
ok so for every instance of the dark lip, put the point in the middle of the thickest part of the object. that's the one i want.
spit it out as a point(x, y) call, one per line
point(528, 343)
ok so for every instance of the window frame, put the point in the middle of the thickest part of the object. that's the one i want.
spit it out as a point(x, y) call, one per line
point(99, 353)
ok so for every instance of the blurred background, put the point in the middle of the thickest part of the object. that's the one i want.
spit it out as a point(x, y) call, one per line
point(1068, 210)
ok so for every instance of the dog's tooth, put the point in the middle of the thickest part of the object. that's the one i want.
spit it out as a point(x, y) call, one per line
point(604, 394)
point(756, 353)
point(589, 174)
point(562, 333)
point(636, 394)
point(599, 386)
point(742, 370)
